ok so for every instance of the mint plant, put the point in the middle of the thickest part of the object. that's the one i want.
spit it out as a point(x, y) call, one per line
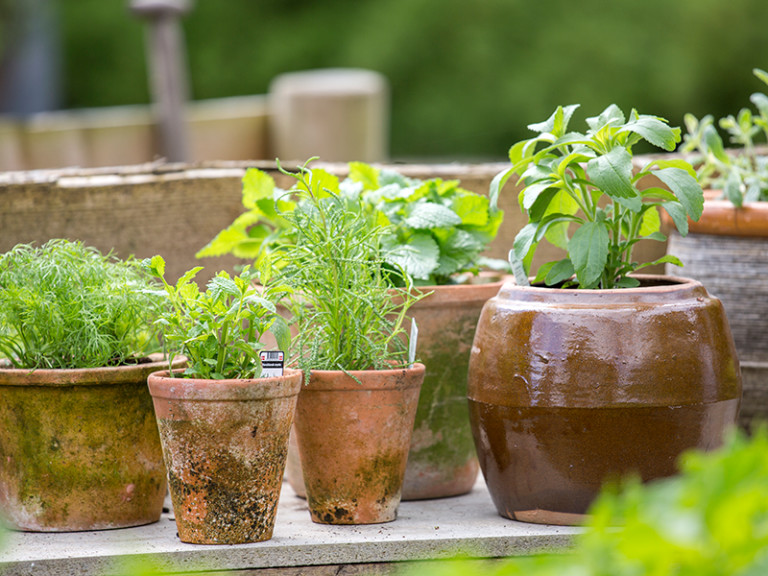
point(349, 316)
point(743, 175)
point(436, 230)
point(582, 194)
point(219, 330)
point(66, 305)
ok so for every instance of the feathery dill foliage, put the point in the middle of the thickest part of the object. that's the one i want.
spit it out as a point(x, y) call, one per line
point(219, 330)
point(349, 316)
point(65, 305)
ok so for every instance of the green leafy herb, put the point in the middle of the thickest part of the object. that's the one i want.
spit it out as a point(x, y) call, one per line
point(436, 228)
point(348, 315)
point(65, 305)
point(582, 195)
point(219, 330)
point(743, 175)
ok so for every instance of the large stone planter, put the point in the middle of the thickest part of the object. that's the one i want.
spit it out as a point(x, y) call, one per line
point(569, 389)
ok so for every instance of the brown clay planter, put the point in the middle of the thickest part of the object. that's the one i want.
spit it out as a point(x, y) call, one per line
point(79, 449)
point(224, 444)
point(569, 389)
point(353, 438)
point(442, 460)
point(727, 251)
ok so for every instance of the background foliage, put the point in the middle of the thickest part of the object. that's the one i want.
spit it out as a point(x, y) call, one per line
point(466, 77)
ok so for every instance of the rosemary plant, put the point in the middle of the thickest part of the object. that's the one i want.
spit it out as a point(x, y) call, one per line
point(65, 305)
point(349, 317)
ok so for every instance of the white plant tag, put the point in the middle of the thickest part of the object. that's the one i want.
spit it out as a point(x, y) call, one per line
point(272, 363)
point(412, 343)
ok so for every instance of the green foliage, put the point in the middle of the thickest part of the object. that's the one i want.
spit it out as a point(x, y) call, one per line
point(435, 229)
point(219, 330)
point(711, 520)
point(349, 317)
point(743, 175)
point(586, 182)
point(65, 305)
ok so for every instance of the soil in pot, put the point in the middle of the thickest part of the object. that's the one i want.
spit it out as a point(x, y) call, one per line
point(225, 443)
point(570, 389)
point(353, 431)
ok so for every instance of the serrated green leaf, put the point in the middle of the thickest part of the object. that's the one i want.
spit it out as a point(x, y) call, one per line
point(282, 333)
point(685, 187)
point(419, 257)
point(557, 123)
point(256, 185)
point(611, 116)
point(679, 216)
point(732, 189)
point(561, 271)
point(524, 240)
point(366, 174)
point(471, 208)
point(588, 250)
point(650, 223)
point(612, 173)
point(425, 215)
point(655, 131)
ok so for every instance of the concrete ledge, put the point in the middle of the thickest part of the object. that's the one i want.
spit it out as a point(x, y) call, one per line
point(424, 530)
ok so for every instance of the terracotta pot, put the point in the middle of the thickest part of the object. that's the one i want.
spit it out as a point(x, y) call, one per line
point(727, 251)
point(569, 389)
point(353, 431)
point(442, 460)
point(80, 449)
point(224, 444)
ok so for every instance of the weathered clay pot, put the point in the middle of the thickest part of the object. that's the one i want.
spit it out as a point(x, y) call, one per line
point(442, 460)
point(79, 449)
point(224, 444)
point(353, 431)
point(571, 388)
point(727, 251)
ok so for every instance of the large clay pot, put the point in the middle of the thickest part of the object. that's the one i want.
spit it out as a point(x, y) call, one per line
point(224, 444)
point(79, 449)
point(727, 251)
point(569, 389)
point(353, 431)
point(442, 460)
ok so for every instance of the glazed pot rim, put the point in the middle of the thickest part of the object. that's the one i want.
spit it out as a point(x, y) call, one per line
point(659, 288)
point(84, 376)
point(162, 385)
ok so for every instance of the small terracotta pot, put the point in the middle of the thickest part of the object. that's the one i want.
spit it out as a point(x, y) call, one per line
point(79, 449)
point(442, 461)
point(353, 438)
point(224, 444)
point(569, 389)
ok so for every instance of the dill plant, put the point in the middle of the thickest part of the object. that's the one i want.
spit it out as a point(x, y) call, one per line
point(348, 315)
point(65, 305)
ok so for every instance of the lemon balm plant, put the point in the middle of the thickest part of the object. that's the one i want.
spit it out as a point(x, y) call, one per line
point(581, 193)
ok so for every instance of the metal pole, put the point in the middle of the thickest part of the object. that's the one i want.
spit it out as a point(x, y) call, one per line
point(168, 72)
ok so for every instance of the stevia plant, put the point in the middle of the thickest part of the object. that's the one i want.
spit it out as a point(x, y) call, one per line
point(437, 230)
point(66, 305)
point(582, 194)
point(741, 174)
point(219, 330)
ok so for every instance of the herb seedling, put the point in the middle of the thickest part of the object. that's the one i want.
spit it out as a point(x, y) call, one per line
point(581, 194)
point(743, 176)
point(219, 330)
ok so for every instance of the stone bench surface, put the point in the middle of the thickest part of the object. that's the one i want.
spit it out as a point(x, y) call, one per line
point(424, 530)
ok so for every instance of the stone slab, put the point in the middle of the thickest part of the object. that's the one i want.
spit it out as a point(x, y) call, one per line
point(424, 530)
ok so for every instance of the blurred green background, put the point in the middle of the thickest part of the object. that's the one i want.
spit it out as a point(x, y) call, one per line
point(466, 77)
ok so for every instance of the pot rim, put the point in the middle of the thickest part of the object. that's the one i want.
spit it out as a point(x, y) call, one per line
point(662, 288)
point(721, 218)
point(392, 378)
point(162, 385)
point(100, 375)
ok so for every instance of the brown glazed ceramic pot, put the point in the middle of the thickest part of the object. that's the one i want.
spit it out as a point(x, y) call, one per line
point(572, 388)
point(79, 449)
point(353, 431)
point(224, 444)
point(442, 460)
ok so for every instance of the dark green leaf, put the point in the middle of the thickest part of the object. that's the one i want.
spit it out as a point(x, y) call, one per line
point(679, 216)
point(612, 173)
point(560, 272)
point(419, 257)
point(685, 187)
point(588, 250)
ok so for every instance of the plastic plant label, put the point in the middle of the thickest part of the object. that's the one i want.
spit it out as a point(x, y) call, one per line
point(412, 342)
point(272, 363)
